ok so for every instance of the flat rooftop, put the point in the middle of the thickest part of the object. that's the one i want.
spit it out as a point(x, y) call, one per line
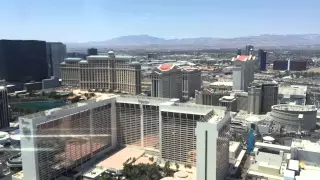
point(93, 57)
point(222, 83)
point(289, 107)
point(94, 172)
point(293, 90)
point(67, 107)
point(115, 162)
point(141, 99)
point(192, 109)
point(233, 146)
point(306, 145)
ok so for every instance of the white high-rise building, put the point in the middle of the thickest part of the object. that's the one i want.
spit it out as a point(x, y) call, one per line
point(213, 148)
point(65, 138)
point(58, 140)
point(243, 72)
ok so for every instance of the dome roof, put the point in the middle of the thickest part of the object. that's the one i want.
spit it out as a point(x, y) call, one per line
point(166, 67)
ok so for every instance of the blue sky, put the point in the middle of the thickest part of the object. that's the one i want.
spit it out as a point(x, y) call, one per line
point(95, 20)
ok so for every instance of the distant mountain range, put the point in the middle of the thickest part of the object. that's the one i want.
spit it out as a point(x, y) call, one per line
point(150, 42)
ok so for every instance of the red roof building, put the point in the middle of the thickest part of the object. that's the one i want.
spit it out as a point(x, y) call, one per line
point(166, 67)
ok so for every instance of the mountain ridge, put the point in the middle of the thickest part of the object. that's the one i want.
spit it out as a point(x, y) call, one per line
point(147, 41)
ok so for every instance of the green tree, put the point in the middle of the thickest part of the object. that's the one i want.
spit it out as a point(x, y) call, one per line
point(141, 171)
point(177, 166)
point(151, 159)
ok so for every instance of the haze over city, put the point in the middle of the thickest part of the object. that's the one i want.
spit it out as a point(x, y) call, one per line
point(96, 20)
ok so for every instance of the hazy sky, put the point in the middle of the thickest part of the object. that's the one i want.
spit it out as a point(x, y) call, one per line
point(94, 20)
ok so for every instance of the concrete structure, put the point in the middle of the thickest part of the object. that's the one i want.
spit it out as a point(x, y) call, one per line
point(179, 121)
point(93, 173)
point(213, 148)
point(262, 95)
point(18, 176)
point(160, 126)
point(266, 165)
point(254, 99)
point(234, 150)
point(230, 102)
point(209, 96)
point(110, 73)
point(242, 101)
point(51, 152)
point(92, 51)
point(4, 137)
point(138, 121)
point(4, 109)
point(243, 72)
point(295, 118)
point(53, 82)
point(70, 72)
point(293, 94)
point(56, 53)
point(221, 85)
point(306, 151)
point(166, 81)
point(191, 81)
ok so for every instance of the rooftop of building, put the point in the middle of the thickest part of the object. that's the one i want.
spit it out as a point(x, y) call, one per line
point(243, 58)
point(166, 67)
point(94, 172)
point(306, 145)
point(228, 98)
point(267, 165)
point(73, 59)
point(102, 57)
point(234, 146)
point(18, 175)
point(155, 101)
point(222, 83)
point(248, 117)
point(218, 112)
point(67, 107)
point(293, 90)
point(298, 108)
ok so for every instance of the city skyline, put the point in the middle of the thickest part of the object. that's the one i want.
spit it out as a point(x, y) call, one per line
point(82, 21)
